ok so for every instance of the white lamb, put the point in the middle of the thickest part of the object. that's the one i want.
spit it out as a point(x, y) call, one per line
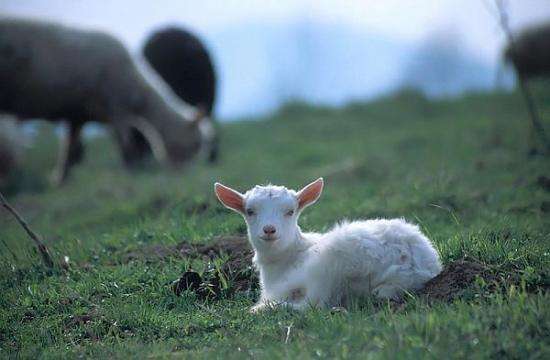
point(355, 259)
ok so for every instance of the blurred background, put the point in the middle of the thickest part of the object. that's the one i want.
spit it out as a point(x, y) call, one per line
point(321, 52)
point(407, 109)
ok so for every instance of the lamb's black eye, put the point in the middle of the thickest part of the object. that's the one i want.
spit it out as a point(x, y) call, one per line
point(249, 212)
point(289, 213)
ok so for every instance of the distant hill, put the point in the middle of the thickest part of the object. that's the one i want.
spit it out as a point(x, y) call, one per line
point(439, 66)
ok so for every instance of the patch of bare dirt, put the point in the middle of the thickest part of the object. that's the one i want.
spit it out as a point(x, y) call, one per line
point(456, 278)
point(153, 253)
point(235, 247)
point(236, 274)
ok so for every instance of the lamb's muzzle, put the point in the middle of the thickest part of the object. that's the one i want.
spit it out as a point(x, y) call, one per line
point(381, 257)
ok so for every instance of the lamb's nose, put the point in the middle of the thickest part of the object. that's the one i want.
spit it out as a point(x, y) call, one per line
point(269, 229)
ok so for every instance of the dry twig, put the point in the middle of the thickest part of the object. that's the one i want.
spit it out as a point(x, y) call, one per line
point(42, 249)
point(287, 337)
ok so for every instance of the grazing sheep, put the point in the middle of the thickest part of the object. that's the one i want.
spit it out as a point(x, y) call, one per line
point(183, 62)
point(380, 257)
point(530, 52)
point(57, 73)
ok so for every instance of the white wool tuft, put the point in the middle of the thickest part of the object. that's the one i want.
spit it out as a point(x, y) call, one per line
point(186, 111)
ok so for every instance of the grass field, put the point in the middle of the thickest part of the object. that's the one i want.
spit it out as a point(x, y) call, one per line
point(458, 168)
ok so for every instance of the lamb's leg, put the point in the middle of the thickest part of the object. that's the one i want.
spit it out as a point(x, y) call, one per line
point(260, 306)
point(295, 299)
point(315, 295)
point(296, 305)
point(71, 153)
point(263, 304)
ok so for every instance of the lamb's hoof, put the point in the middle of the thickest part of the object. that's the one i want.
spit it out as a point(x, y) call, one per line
point(338, 310)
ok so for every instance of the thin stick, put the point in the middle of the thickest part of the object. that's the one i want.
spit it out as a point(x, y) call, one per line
point(42, 249)
point(287, 337)
point(531, 106)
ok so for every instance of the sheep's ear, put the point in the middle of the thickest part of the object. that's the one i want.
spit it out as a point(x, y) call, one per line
point(310, 193)
point(232, 199)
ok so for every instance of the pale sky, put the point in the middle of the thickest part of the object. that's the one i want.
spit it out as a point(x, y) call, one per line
point(410, 20)
point(348, 66)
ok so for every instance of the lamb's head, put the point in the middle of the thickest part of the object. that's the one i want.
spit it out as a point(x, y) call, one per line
point(271, 212)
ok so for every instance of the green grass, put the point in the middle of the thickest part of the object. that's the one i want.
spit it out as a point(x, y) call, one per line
point(458, 168)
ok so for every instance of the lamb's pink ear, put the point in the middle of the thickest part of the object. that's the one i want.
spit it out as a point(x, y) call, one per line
point(232, 199)
point(310, 193)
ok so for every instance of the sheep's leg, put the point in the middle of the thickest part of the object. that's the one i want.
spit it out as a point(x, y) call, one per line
point(136, 139)
point(71, 153)
point(123, 136)
point(214, 149)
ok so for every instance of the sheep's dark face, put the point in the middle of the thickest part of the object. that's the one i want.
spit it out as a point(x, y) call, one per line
point(183, 143)
point(172, 144)
point(180, 153)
